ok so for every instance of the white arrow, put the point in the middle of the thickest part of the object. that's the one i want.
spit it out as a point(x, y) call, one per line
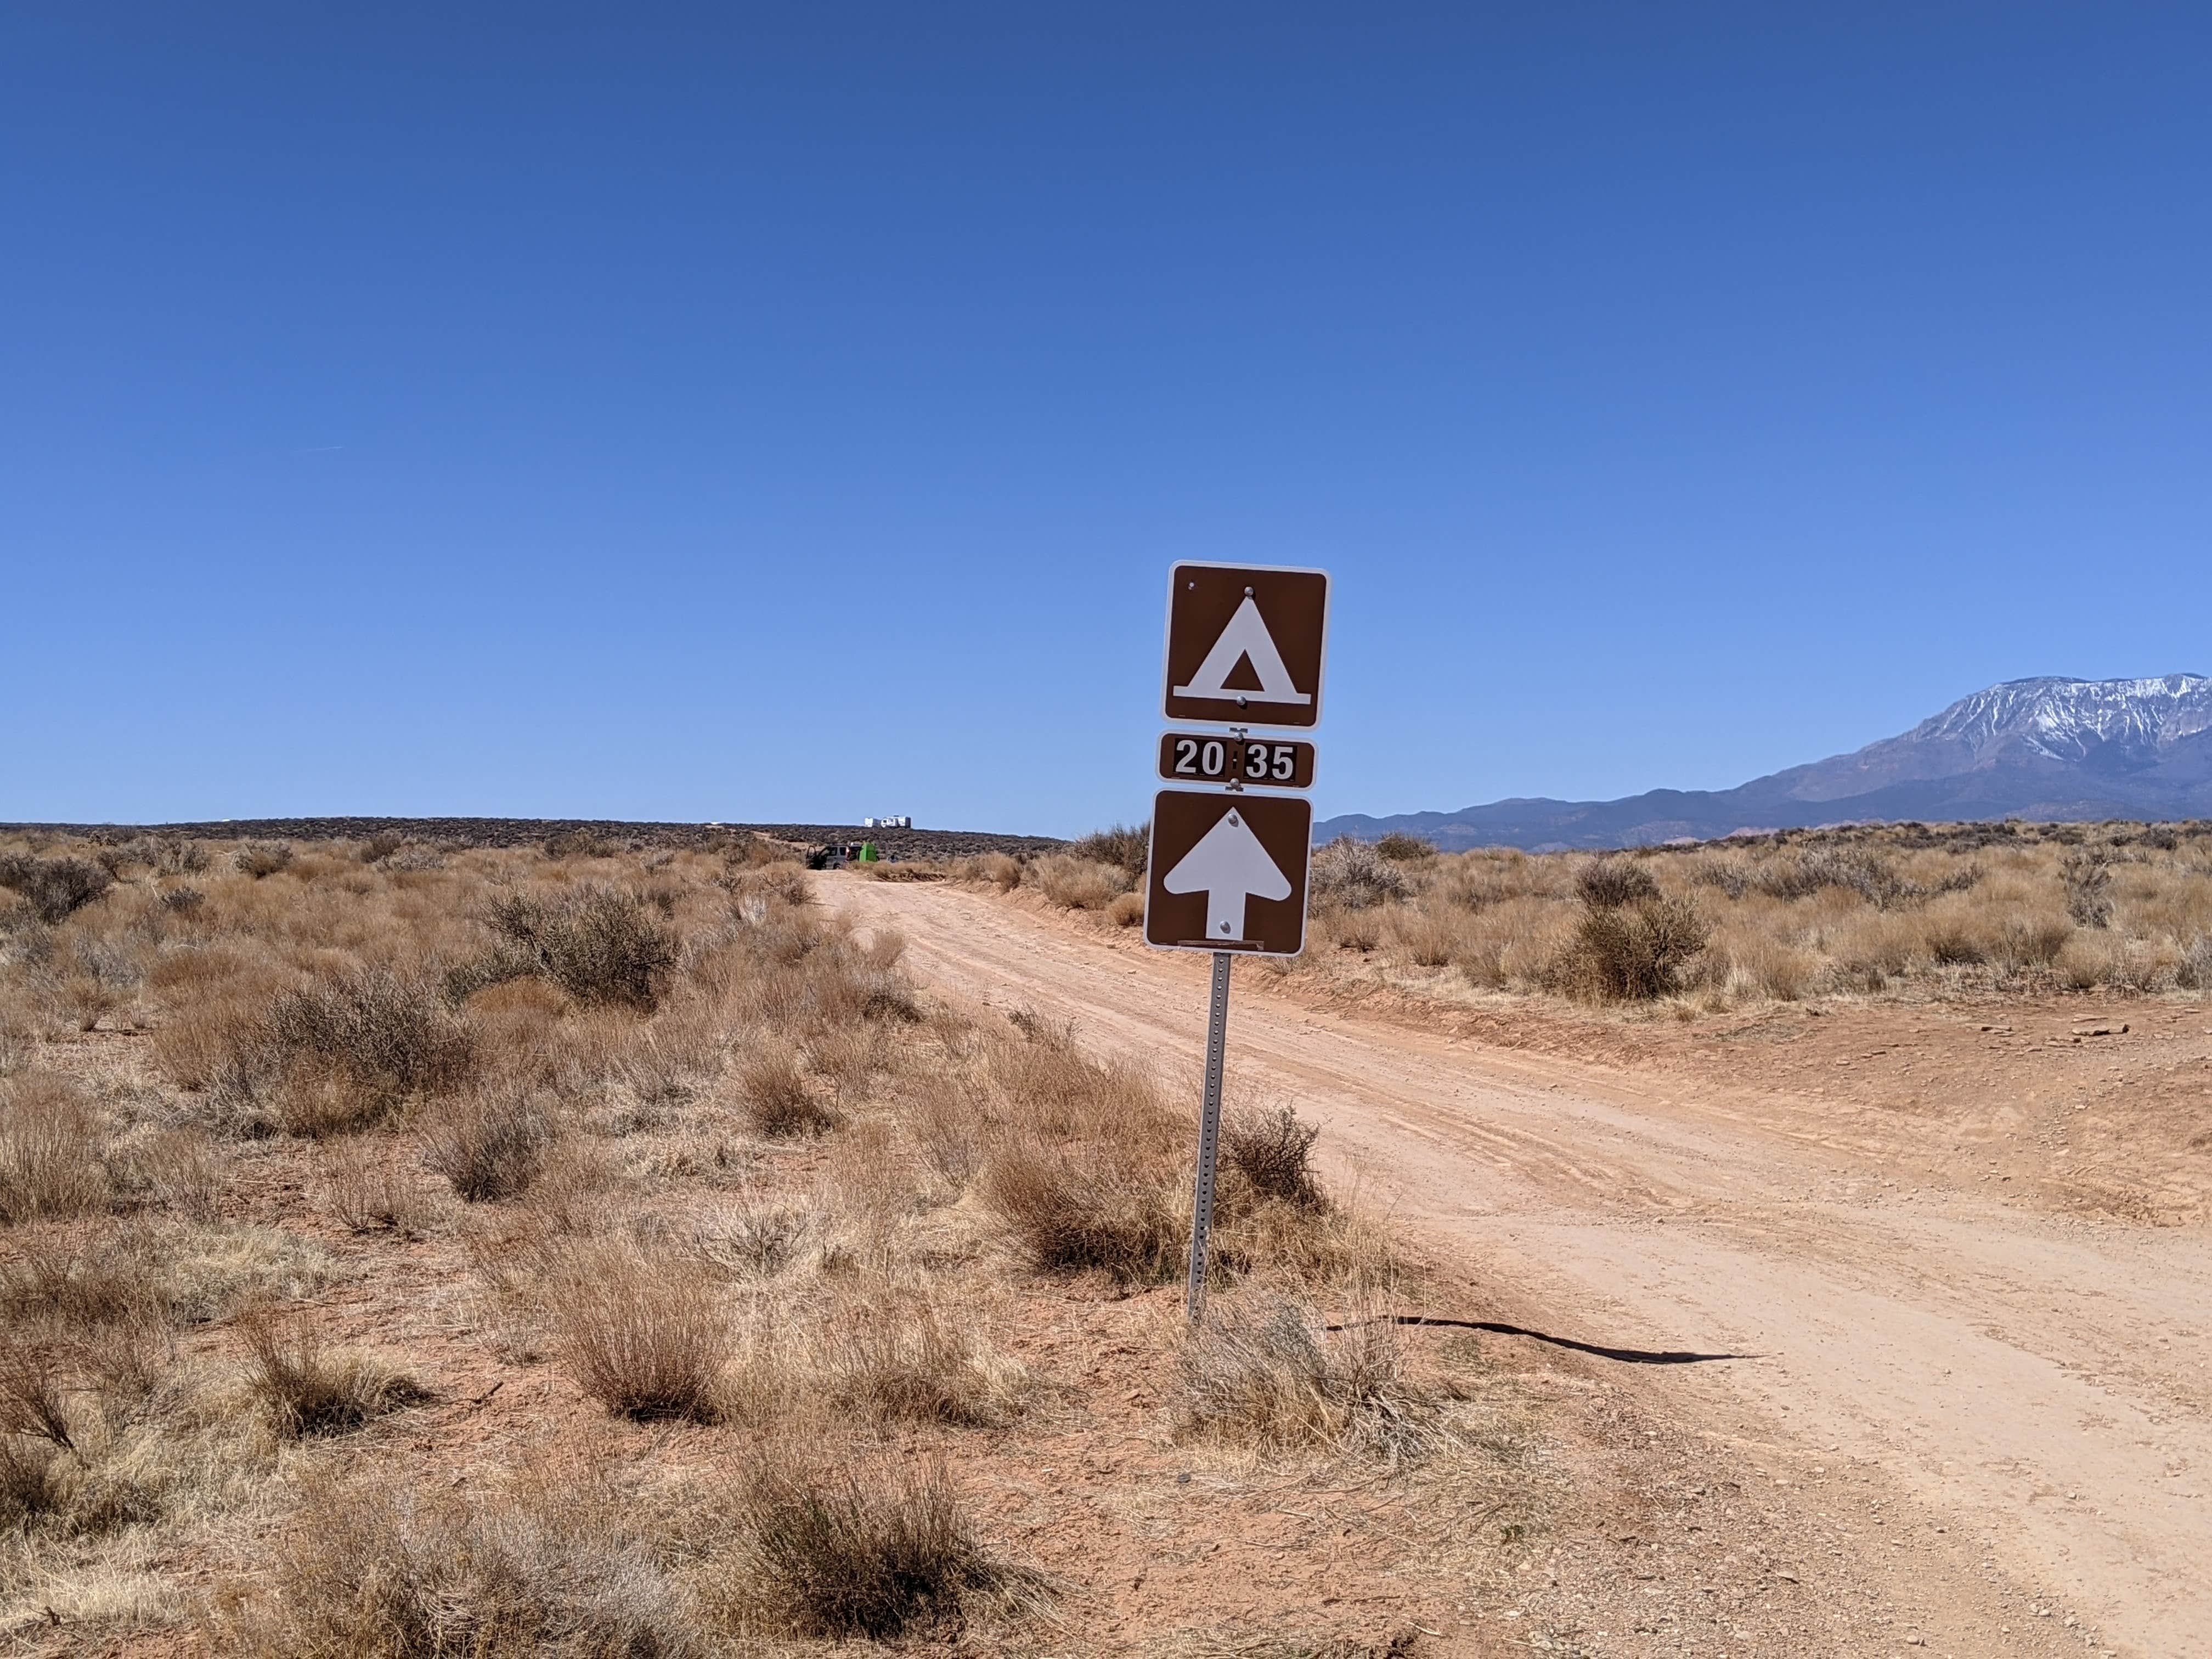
point(1229, 865)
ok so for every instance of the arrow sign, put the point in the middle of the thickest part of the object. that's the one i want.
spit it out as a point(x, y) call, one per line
point(1239, 863)
point(1229, 865)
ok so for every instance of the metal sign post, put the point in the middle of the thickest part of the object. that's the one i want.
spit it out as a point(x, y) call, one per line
point(1228, 866)
point(1209, 1138)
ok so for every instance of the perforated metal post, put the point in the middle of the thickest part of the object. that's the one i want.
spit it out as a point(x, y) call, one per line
point(1209, 1137)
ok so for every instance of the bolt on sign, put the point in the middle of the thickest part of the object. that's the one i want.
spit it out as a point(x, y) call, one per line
point(1229, 865)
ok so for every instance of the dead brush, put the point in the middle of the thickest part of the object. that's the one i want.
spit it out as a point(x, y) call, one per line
point(368, 1193)
point(33, 1393)
point(175, 1170)
point(1632, 952)
point(859, 1551)
point(647, 1335)
point(380, 1569)
point(1097, 1206)
point(1077, 883)
point(307, 1389)
point(1273, 1153)
point(54, 888)
point(1272, 1374)
point(33, 1484)
point(777, 1101)
point(262, 859)
point(600, 944)
point(344, 1053)
point(51, 1147)
point(489, 1144)
point(896, 1354)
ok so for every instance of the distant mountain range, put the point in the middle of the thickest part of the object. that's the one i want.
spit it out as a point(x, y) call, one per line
point(2044, 749)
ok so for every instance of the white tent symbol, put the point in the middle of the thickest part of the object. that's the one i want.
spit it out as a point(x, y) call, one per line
point(1246, 635)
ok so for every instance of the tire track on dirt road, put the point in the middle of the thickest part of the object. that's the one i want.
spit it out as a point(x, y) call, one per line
point(2040, 1379)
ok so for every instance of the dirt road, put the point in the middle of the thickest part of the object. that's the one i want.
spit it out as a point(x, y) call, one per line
point(2039, 1383)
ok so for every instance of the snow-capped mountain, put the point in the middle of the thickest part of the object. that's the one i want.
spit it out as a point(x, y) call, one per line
point(2045, 749)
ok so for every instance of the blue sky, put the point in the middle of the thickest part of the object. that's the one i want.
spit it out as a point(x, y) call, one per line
point(792, 413)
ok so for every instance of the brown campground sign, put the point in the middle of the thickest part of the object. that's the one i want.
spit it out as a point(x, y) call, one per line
point(1227, 872)
point(1245, 644)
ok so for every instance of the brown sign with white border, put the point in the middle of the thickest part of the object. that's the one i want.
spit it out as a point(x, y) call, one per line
point(1227, 872)
point(1246, 644)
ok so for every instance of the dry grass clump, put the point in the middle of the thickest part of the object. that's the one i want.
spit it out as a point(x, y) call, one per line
point(489, 1144)
point(895, 1352)
point(51, 1147)
point(776, 1099)
point(600, 944)
point(370, 1194)
point(860, 1552)
point(307, 1389)
point(262, 859)
point(1078, 884)
point(344, 1052)
point(1089, 1177)
point(1355, 874)
point(1127, 848)
point(1274, 1376)
point(645, 1334)
point(378, 1570)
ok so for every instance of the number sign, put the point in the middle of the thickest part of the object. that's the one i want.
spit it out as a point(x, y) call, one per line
point(1261, 762)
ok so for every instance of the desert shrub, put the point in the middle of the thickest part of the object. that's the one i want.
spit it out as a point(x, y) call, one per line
point(1002, 870)
point(896, 1354)
point(503, 964)
point(776, 1101)
point(2194, 972)
point(50, 1152)
point(1401, 848)
point(342, 1052)
point(1126, 911)
point(32, 1483)
point(260, 858)
point(381, 845)
point(173, 1169)
point(33, 1395)
point(1633, 953)
point(1275, 1377)
point(647, 1336)
point(1607, 884)
point(1127, 849)
point(183, 900)
point(367, 1193)
point(387, 1571)
point(310, 1390)
point(1431, 934)
point(1271, 1151)
point(54, 888)
point(181, 858)
point(1078, 884)
point(1092, 1206)
point(2032, 941)
point(1957, 941)
point(1353, 875)
point(600, 944)
point(488, 1146)
point(2086, 876)
point(860, 1552)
